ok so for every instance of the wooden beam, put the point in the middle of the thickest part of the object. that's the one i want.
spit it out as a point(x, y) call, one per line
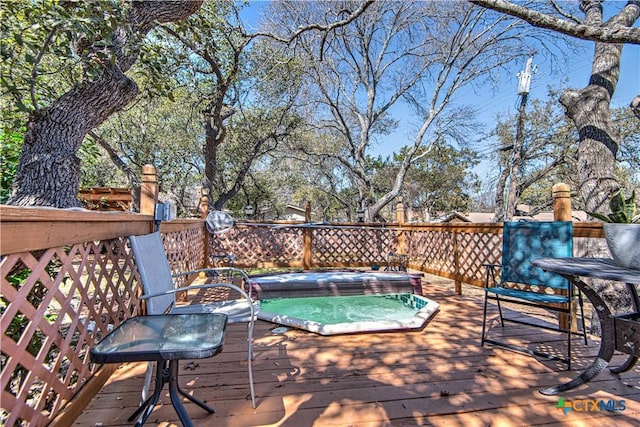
point(28, 229)
point(81, 400)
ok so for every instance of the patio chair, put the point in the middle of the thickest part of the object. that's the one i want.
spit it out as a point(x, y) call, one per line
point(219, 223)
point(160, 293)
point(522, 284)
point(397, 262)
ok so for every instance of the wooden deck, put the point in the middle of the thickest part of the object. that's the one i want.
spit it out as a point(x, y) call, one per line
point(437, 376)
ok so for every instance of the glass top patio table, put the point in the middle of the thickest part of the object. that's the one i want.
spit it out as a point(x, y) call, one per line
point(163, 337)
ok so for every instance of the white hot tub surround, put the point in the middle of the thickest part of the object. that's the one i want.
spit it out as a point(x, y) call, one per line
point(306, 315)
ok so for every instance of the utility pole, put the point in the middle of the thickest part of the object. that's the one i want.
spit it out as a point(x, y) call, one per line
point(517, 154)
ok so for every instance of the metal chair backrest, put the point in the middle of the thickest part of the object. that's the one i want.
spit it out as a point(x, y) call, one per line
point(523, 242)
point(155, 273)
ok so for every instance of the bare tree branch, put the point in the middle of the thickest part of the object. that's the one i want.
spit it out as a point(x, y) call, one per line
point(604, 33)
point(324, 28)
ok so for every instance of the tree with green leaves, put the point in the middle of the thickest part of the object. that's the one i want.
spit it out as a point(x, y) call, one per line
point(11, 137)
point(547, 154)
point(67, 70)
point(443, 182)
point(159, 131)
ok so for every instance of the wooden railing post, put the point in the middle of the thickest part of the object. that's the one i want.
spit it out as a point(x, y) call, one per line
point(400, 211)
point(148, 190)
point(307, 238)
point(456, 263)
point(561, 194)
point(206, 237)
point(204, 204)
point(400, 218)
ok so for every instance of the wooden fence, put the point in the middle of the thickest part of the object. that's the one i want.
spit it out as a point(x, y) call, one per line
point(69, 277)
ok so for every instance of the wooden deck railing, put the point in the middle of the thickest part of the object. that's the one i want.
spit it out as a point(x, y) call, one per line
point(68, 277)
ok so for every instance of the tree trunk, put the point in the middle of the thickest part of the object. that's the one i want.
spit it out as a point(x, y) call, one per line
point(48, 173)
point(500, 187)
point(49, 170)
point(588, 108)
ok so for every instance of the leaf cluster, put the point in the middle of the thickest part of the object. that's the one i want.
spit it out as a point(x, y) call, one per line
point(623, 210)
point(50, 46)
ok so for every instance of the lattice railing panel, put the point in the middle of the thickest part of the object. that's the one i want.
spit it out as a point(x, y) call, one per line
point(476, 249)
point(185, 252)
point(352, 245)
point(430, 250)
point(55, 305)
point(255, 245)
point(457, 252)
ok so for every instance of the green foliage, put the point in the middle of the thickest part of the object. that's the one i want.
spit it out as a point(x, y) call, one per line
point(623, 210)
point(548, 154)
point(10, 146)
point(49, 46)
point(97, 169)
point(154, 131)
point(442, 182)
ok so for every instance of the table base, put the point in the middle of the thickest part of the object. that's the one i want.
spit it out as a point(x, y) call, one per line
point(168, 375)
point(608, 342)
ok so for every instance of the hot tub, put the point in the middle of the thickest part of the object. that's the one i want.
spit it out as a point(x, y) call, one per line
point(335, 283)
point(333, 315)
point(342, 302)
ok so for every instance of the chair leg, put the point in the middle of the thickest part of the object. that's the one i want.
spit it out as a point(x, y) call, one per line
point(570, 318)
point(249, 364)
point(500, 311)
point(147, 382)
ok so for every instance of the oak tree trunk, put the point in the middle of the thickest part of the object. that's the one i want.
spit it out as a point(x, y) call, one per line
point(49, 170)
point(48, 173)
point(589, 109)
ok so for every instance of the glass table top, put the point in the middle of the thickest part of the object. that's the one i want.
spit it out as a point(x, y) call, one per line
point(165, 337)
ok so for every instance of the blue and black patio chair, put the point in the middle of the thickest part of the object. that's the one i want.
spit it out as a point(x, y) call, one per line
point(523, 284)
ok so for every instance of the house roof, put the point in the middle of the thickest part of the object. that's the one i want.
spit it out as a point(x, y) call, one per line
point(578, 216)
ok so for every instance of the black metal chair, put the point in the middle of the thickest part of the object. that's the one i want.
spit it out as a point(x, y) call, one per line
point(523, 284)
point(397, 262)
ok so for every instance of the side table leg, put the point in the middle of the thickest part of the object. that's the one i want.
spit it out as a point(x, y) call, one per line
point(175, 392)
point(607, 343)
point(201, 404)
point(175, 396)
point(150, 403)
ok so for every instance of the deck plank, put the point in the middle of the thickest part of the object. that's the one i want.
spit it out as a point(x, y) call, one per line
point(439, 375)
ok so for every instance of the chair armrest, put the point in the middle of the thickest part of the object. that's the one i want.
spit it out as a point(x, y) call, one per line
point(490, 275)
point(189, 288)
point(252, 308)
point(244, 275)
point(215, 269)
